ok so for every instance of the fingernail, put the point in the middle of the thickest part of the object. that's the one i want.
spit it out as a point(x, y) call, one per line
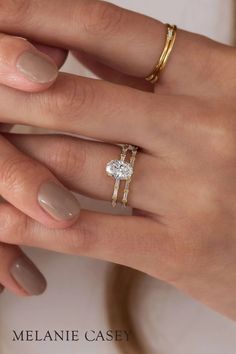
point(1, 288)
point(28, 276)
point(37, 67)
point(58, 202)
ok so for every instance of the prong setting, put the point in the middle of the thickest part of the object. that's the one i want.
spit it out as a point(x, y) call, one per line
point(119, 169)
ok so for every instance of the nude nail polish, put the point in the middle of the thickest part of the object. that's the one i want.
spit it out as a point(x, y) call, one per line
point(36, 67)
point(25, 273)
point(58, 202)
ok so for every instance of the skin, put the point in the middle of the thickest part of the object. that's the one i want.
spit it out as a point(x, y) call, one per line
point(183, 190)
point(11, 48)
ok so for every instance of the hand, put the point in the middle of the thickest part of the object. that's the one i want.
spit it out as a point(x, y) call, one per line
point(23, 181)
point(183, 190)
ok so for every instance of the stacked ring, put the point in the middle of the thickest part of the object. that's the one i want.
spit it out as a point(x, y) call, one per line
point(170, 41)
point(121, 170)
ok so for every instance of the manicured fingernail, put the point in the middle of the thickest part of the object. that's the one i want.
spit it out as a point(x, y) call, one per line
point(58, 202)
point(36, 67)
point(28, 276)
point(1, 288)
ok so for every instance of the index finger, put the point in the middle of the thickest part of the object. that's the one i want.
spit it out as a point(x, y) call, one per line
point(125, 40)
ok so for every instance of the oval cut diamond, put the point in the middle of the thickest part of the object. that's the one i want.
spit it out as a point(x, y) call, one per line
point(119, 169)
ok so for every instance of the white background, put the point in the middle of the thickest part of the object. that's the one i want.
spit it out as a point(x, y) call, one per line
point(171, 322)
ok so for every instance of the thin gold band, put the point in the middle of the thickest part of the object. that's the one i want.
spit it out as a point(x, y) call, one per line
point(134, 152)
point(117, 182)
point(170, 41)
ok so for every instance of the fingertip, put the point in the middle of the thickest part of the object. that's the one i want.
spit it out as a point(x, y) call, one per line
point(28, 276)
point(37, 67)
point(58, 55)
point(24, 67)
point(58, 202)
point(18, 273)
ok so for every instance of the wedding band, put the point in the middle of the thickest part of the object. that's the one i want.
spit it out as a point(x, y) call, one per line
point(170, 41)
point(122, 170)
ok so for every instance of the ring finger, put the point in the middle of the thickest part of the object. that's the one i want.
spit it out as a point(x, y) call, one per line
point(33, 189)
point(81, 165)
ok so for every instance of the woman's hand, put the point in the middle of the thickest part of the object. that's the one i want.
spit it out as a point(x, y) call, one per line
point(24, 182)
point(183, 189)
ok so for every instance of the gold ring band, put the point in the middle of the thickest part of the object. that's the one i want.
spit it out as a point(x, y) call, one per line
point(121, 170)
point(170, 41)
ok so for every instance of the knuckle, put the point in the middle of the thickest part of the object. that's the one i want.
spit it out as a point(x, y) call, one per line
point(69, 156)
point(197, 246)
point(101, 18)
point(13, 226)
point(216, 132)
point(223, 144)
point(77, 99)
point(15, 10)
point(181, 255)
point(16, 172)
point(187, 258)
point(190, 255)
point(22, 233)
point(83, 239)
point(207, 54)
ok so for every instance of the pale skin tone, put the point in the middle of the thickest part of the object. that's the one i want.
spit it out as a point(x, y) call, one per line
point(183, 190)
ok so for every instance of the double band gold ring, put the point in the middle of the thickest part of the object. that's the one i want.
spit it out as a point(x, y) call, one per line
point(121, 170)
point(170, 41)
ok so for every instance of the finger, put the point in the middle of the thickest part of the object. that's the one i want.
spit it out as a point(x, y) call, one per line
point(34, 190)
point(58, 55)
point(24, 67)
point(106, 73)
point(96, 109)
point(124, 240)
point(18, 273)
point(80, 164)
point(126, 41)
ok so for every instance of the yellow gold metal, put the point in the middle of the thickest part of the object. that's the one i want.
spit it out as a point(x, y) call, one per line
point(117, 182)
point(115, 193)
point(123, 156)
point(134, 150)
point(170, 41)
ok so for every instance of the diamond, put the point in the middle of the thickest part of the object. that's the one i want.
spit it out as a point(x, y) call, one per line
point(170, 33)
point(120, 170)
